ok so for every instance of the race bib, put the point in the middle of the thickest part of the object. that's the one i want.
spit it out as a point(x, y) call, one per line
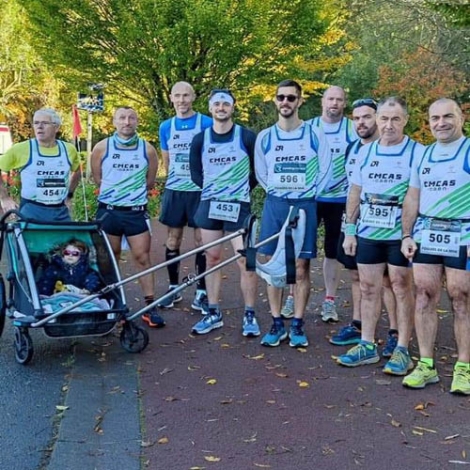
point(380, 210)
point(288, 177)
point(441, 237)
point(51, 190)
point(227, 211)
point(181, 166)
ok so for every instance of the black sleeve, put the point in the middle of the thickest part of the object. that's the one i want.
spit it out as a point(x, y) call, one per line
point(249, 141)
point(195, 159)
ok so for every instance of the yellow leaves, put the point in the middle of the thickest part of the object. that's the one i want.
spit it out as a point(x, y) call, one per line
point(211, 458)
point(61, 408)
point(211, 381)
point(395, 423)
point(163, 440)
point(303, 384)
point(259, 357)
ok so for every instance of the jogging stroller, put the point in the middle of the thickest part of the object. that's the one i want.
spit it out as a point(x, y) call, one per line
point(28, 246)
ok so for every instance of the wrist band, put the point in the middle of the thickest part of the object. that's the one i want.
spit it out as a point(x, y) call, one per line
point(350, 229)
point(406, 236)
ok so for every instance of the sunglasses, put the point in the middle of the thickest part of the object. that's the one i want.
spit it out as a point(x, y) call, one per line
point(365, 102)
point(289, 98)
point(71, 253)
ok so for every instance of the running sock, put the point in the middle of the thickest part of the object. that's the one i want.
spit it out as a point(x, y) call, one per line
point(330, 298)
point(214, 307)
point(149, 299)
point(370, 346)
point(393, 332)
point(278, 321)
point(466, 365)
point(173, 268)
point(201, 268)
point(429, 361)
point(357, 324)
point(297, 322)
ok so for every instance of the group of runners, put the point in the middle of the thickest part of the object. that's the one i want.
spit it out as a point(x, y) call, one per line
point(395, 212)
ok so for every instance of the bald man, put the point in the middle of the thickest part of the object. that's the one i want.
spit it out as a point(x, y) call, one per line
point(339, 132)
point(436, 236)
point(181, 196)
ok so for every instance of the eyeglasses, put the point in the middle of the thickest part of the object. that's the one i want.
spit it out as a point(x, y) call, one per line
point(43, 123)
point(289, 98)
point(365, 102)
point(71, 253)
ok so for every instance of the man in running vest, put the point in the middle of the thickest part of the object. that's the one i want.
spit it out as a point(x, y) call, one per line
point(221, 163)
point(124, 167)
point(181, 196)
point(292, 165)
point(339, 132)
point(437, 205)
point(49, 171)
point(379, 185)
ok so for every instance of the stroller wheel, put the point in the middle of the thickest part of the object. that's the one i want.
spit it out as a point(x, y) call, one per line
point(3, 304)
point(134, 339)
point(23, 346)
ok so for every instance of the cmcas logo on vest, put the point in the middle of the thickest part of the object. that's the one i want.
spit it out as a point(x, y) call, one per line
point(291, 158)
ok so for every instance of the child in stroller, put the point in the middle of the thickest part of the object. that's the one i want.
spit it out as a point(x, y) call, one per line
point(69, 271)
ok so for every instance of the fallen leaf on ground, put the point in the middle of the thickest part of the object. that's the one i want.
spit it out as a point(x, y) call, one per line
point(212, 458)
point(211, 382)
point(303, 384)
point(301, 350)
point(261, 465)
point(395, 423)
point(163, 440)
point(61, 408)
point(146, 444)
point(419, 428)
point(256, 358)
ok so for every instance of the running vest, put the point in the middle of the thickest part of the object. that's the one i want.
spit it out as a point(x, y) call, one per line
point(226, 169)
point(124, 175)
point(384, 176)
point(443, 177)
point(353, 158)
point(45, 179)
point(339, 136)
point(292, 163)
point(179, 175)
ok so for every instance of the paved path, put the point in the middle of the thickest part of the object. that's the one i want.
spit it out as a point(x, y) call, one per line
point(221, 401)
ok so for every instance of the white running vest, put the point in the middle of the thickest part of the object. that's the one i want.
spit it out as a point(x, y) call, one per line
point(124, 175)
point(45, 179)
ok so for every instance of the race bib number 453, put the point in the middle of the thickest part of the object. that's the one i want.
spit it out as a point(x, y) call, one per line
point(227, 211)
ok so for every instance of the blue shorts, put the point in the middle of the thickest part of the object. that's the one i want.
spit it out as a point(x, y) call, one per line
point(123, 223)
point(380, 251)
point(459, 262)
point(203, 221)
point(43, 213)
point(275, 212)
point(178, 208)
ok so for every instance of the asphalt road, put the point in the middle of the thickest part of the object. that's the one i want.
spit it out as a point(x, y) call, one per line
point(222, 401)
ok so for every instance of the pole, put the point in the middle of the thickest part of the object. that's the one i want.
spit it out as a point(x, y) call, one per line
point(89, 140)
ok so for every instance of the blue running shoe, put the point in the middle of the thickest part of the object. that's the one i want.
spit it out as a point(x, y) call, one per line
point(201, 303)
point(276, 334)
point(297, 336)
point(390, 345)
point(359, 355)
point(349, 334)
point(250, 325)
point(400, 363)
point(210, 322)
point(153, 319)
point(171, 300)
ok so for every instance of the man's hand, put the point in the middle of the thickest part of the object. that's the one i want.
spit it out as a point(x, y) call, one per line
point(8, 204)
point(408, 248)
point(350, 245)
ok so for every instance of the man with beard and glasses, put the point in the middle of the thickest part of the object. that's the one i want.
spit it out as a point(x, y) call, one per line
point(292, 165)
point(437, 206)
point(124, 167)
point(365, 124)
point(379, 185)
point(181, 196)
point(339, 132)
point(221, 164)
